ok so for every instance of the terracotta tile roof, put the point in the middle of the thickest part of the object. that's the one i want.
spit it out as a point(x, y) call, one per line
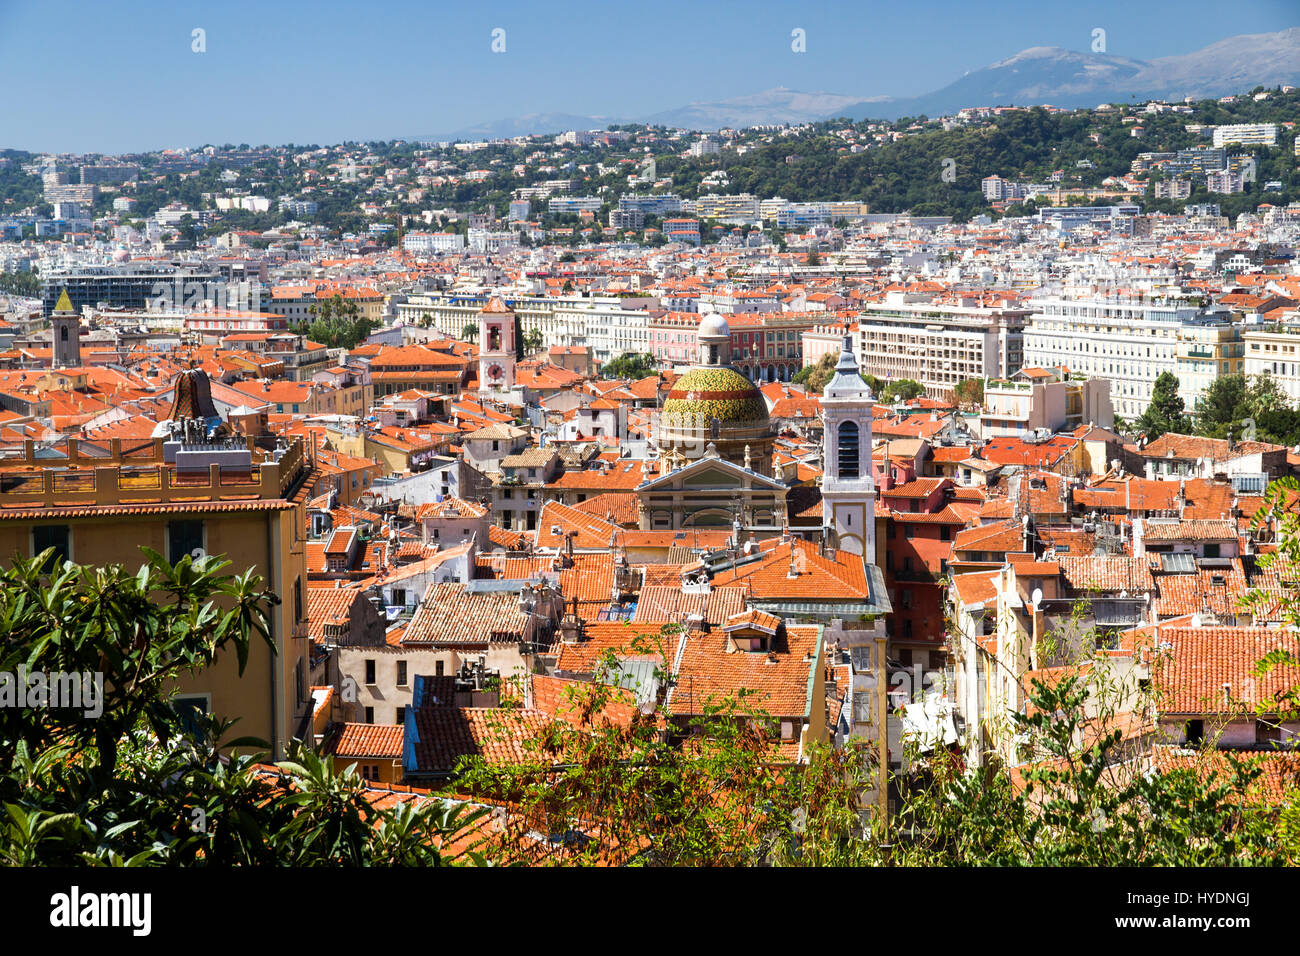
point(996, 538)
point(1017, 451)
point(950, 454)
point(1206, 589)
point(590, 579)
point(366, 740)
point(529, 458)
point(1196, 530)
point(564, 699)
point(664, 604)
point(1073, 541)
point(1277, 783)
point(998, 508)
point(624, 475)
point(1189, 678)
point(1213, 449)
point(588, 530)
point(755, 619)
point(450, 506)
point(1106, 573)
point(451, 615)
point(947, 515)
point(916, 488)
point(618, 507)
point(976, 589)
point(505, 538)
point(628, 640)
point(814, 576)
point(331, 605)
point(780, 680)
point(443, 735)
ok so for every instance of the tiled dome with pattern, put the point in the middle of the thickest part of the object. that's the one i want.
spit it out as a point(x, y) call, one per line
point(704, 394)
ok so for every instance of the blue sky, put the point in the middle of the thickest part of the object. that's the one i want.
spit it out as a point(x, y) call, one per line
point(102, 76)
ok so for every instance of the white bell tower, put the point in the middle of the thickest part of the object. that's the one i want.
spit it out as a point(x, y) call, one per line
point(848, 486)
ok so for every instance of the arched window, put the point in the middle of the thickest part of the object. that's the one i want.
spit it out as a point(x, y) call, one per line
point(63, 333)
point(494, 339)
point(848, 448)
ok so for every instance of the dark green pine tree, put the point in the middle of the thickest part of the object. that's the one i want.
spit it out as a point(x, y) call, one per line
point(1166, 412)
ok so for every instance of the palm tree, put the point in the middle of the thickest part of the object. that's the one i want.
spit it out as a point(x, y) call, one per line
point(469, 332)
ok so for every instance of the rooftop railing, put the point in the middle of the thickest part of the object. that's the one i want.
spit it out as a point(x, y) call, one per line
point(93, 474)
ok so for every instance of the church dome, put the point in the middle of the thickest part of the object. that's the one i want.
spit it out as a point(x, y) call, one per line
point(714, 326)
point(720, 392)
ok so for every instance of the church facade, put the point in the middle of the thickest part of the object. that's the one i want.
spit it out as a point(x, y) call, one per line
point(714, 442)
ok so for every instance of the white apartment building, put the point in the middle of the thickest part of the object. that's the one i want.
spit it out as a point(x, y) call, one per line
point(607, 325)
point(1131, 343)
point(572, 205)
point(1264, 134)
point(1225, 181)
point(491, 242)
point(938, 345)
point(742, 207)
point(1274, 350)
point(430, 242)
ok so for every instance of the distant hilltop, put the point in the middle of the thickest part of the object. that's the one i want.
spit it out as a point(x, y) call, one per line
point(1037, 76)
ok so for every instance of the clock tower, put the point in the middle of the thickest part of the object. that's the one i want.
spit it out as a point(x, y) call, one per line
point(498, 342)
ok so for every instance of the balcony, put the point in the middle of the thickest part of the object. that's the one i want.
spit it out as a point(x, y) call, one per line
point(94, 474)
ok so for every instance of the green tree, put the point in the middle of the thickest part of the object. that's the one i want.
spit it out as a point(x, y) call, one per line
point(902, 390)
point(1223, 406)
point(814, 377)
point(469, 332)
point(630, 365)
point(20, 283)
point(646, 792)
point(336, 323)
point(969, 391)
point(139, 781)
point(1165, 413)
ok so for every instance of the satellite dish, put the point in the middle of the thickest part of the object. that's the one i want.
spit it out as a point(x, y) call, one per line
point(1037, 597)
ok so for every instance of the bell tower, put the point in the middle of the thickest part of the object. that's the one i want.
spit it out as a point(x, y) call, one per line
point(498, 335)
point(66, 325)
point(848, 486)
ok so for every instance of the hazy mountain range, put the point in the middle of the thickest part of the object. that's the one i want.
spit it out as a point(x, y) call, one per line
point(1043, 75)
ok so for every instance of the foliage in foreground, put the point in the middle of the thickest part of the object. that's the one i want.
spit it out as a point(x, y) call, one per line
point(141, 785)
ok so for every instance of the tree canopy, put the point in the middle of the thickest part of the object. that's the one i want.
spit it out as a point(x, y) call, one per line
point(1165, 413)
point(630, 365)
point(337, 323)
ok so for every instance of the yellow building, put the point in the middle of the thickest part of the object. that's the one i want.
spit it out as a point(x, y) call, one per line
point(214, 493)
point(1204, 353)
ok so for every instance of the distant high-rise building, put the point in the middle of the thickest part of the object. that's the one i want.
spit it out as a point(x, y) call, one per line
point(1264, 134)
point(111, 174)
